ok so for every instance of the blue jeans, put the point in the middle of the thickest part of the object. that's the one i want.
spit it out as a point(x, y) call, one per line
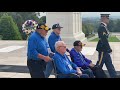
point(84, 76)
point(49, 68)
point(88, 71)
point(73, 76)
point(108, 62)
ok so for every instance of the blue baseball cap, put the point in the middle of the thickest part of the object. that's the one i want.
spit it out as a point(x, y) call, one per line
point(56, 26)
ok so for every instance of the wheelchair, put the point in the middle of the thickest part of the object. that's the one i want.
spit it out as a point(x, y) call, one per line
point(72, 75)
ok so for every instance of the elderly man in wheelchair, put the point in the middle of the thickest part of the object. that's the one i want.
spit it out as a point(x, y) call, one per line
point(66, 68)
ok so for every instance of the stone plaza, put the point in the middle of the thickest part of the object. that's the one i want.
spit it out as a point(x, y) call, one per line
point(13, 62)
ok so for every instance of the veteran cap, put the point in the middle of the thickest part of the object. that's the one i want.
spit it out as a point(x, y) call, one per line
point(78, 43)
point(56, 26)
point(43, 26)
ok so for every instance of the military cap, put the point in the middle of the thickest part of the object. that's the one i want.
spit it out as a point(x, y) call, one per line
point(105, 15)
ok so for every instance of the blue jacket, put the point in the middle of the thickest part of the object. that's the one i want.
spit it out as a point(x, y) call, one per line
point(78, 60)
point(37, 45)
point(53, 38)
point(63, 64)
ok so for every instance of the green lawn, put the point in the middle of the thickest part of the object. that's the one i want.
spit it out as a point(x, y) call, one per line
point(111, 39)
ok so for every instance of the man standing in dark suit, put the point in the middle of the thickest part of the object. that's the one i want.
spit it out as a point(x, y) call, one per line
point(103, 46)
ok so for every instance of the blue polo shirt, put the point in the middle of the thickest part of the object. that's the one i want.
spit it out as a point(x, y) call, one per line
point(37, 45)
point(53, 38)
point(63, 64)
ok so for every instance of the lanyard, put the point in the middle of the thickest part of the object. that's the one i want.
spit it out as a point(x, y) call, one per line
point(82, 58)
point(68, 64)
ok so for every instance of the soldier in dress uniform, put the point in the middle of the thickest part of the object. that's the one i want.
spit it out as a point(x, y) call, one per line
point(103, 47)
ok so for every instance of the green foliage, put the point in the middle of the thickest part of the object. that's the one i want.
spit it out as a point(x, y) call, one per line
point(111, 39)
point(20, 17)
point(114, 39)
point(113, 26)
point(95, 40)
point(117, 26)
point(8, 28)
point(93, 23)
point(19, 21)
point(91, 35)
point(87, 29)
point(42, 19)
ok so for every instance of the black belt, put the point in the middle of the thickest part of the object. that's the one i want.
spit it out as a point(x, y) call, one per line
point(41, 63)
point(41, 60)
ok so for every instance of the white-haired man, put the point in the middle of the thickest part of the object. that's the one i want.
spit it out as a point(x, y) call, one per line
point(63, 65)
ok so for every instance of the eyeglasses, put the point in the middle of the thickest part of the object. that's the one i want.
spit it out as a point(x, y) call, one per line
point(63, 46)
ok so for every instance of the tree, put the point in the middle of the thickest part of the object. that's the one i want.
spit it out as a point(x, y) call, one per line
point(117, 26)
point(90, 28)
point(42, 19)
point(21, 17)
point(28, 16)
point(111, 26)
point(8, 28)
point(87, 28)
point(18, 19)
point(84, 29)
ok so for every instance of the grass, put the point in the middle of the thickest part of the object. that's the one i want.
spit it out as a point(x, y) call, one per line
point(111, 39)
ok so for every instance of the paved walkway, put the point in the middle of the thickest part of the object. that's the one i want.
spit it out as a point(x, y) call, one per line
point(13, 61)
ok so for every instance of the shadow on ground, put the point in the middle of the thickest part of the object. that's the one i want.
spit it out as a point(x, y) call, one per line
point(118, 72)
point(24, 69)
point(14, 68)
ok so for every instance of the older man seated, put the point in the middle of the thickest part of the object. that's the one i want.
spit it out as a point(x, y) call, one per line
point(63, 65)
point(78, 58)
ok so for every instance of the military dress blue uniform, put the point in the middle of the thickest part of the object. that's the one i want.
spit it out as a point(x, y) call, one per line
point(104, 47)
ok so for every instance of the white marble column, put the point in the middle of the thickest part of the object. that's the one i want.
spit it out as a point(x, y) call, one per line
point(71, 22)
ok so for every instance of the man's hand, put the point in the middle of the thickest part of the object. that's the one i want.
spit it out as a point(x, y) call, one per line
point(79, 72)
point(109, 51)
point(47, 58)
point(92, 65)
